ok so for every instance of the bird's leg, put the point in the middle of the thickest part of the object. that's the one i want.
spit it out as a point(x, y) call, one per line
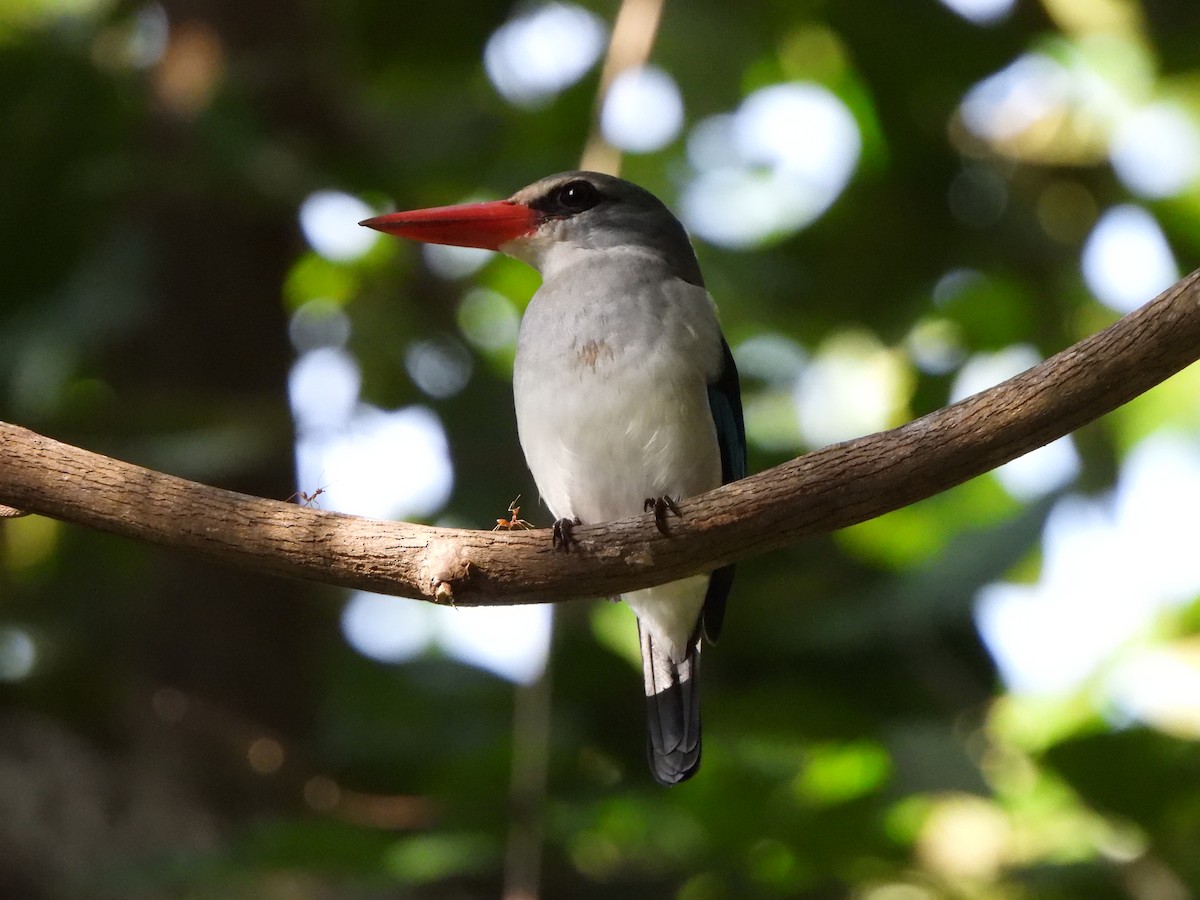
point(561, 536)
point(661, 506)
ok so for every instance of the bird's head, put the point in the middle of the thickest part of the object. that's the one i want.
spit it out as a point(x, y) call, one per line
point(542, 223)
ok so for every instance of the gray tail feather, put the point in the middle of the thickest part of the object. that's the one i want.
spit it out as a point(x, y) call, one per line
point(672, 711)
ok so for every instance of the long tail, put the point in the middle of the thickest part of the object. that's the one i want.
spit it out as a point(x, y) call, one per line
point(672, 710)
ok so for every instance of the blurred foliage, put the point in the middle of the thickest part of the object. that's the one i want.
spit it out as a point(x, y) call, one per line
point(190, 732)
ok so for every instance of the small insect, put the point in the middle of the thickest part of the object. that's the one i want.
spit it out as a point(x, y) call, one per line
point(514, 519)
point(306, 499)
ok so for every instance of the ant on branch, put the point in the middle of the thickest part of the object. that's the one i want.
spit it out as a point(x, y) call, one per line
point(306, 499)
point(514, 520)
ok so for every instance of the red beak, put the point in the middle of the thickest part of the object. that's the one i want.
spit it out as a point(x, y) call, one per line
point(484, 225)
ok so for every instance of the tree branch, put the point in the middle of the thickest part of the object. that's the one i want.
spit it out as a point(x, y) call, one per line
point(828, 489)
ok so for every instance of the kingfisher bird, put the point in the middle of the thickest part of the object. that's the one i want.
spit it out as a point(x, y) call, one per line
point(626, 394)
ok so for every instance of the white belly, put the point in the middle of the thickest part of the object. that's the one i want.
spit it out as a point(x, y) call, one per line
point(598, 447)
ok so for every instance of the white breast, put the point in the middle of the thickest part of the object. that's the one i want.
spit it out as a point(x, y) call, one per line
point(611, 388)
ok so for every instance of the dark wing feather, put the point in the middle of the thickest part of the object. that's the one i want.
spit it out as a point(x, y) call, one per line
point(725, 401)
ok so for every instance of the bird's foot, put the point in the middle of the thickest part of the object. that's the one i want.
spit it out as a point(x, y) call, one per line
point(562, 536)
point(661, 506)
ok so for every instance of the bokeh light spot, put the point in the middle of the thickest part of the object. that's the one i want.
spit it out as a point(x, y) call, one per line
point(935, 345)
point(1066, 210)
point(440, 367)
point(317, 324)
point(643, 110)
point(329, 220)
point(323, 388)
point(265, 755)
point(1110, 566)
point(981, 12)
point(773, 167)
point(535, 55)
point(18, 654)
point(387, 629)
point(510, 641)
point(488, 320)
point(1007, 104)
point(1126, 259)
point(978, 196)
point(852, 386)
point(453, 263)
point(1156, 151)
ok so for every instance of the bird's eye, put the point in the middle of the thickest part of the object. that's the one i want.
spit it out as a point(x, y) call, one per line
point(577, 196)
